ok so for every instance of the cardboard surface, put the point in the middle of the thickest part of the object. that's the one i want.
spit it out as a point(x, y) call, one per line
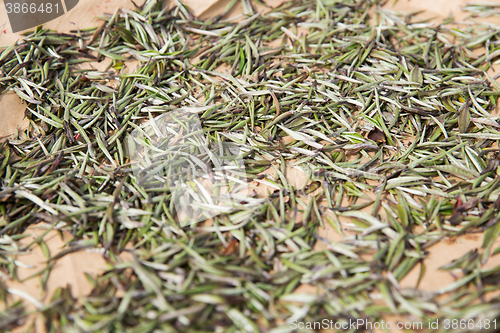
point(69, 270)
point(11, 114)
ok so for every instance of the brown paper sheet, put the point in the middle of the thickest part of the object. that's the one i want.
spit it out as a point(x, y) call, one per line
point(11, 114)
point(69, 270)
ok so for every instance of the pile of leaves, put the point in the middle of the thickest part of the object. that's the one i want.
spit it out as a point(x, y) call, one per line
point(393, 122)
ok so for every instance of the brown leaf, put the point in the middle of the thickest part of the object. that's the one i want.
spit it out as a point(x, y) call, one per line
point(456, 219)
point(492, 166)
point(376, 135)
point(457, 206)
point(464, 118)
point(462, 207)
point(231, 248)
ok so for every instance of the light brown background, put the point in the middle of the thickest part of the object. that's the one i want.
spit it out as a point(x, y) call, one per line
point(70, 270)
